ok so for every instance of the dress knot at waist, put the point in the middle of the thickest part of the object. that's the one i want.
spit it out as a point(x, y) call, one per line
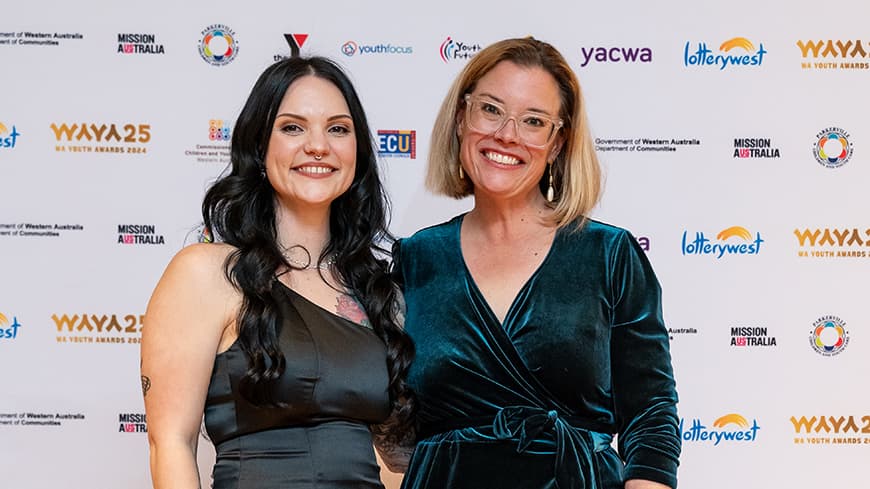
point(574, 464)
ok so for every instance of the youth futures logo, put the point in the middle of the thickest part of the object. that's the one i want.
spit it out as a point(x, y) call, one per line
point(452, 50)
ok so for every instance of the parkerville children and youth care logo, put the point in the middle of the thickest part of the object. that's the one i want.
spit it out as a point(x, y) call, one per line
point(218, 45)
point(833, 147)
point(829, 336)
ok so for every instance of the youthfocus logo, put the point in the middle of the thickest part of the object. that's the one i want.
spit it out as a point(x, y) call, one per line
point(351, 48)
point(453, 50)
point(743, 243)
point(615, 55)
point(833, 147)
point(731, 428)
point(397, 143)
point(8, 137)
point(218, 45)
point(738, 51)
point(8, 328)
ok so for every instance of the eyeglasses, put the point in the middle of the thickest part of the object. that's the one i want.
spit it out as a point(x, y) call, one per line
point(488, 117)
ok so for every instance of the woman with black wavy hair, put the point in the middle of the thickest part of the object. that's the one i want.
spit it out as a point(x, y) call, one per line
point(283, 332)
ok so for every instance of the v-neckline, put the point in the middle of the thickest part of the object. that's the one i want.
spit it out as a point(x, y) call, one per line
point(521, 292)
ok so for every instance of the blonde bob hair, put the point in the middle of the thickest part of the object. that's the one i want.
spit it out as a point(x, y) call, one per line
point(576, 171)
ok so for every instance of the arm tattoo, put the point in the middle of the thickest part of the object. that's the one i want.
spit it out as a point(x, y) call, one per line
point(146, 384)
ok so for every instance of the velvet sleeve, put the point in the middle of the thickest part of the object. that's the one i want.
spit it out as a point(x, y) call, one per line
point(644, 391)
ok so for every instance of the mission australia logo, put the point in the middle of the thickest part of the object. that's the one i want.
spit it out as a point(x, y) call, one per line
point(139, 234)
point(132, 423)
point(139, 44)
point(614, 55)
point(751, 336)
point(754, 148)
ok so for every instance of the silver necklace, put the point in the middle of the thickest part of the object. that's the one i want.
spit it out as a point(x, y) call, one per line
point(301, 265)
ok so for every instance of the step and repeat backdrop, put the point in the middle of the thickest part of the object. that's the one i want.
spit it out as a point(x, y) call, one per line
point(734, 137)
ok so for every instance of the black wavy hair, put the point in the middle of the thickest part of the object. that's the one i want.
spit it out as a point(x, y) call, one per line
point(239, 209)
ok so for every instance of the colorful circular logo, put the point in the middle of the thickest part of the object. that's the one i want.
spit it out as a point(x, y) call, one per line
point(829, 336)
point(833, 147)
point(218, 45)
point(349, 48)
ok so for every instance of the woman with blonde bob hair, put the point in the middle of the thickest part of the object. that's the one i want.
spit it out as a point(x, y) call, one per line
point(538, 330)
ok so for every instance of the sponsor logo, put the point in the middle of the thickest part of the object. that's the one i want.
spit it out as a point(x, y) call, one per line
point(831, 430)
point(295, 42)
point(98, 328)
point(8, 137)
point(31, 230)
point(397, 143)
point(28, 418)
point(8, 328)
point(738, 51)
point(835, 243)
point(674, 332)
point(27, 38)
point(139, 44)
point(351, 48)
point(139, 234)
point(218, 45)
point(745, 243)
point(217, 148)
point(829, 336)
point(615, 55)
point(754, 148)
point(729, 429)
point(833, 147)
point(452, 50)
point(751, 336)
point(132, 423)
point(834, 55)
point(631, 145)
point(101, 138)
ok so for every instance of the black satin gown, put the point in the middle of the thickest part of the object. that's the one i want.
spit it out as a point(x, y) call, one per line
point(335, 386)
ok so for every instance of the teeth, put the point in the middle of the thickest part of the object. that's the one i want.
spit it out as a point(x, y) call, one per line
point(314, 169)
point(503, 159)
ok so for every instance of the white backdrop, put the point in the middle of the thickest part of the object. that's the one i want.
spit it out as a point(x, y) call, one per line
point(90, 217)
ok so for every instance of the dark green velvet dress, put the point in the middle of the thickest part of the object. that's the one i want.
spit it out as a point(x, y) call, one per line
point(534, 403)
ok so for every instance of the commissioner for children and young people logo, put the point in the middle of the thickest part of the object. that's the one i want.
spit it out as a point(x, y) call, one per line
point(618, 54)
point(736, 240)
point(218, 45)
point(397, 143)
point(217, 148)
point(452, 49)
point(8, 137)
point(351, 48)
point(829, 336)
point(833, 147)
point(738, 51)
point(139, 44)
point(8, 327)
point(833, 54)
point(729, 429)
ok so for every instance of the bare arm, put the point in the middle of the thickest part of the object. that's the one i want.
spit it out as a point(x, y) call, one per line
point(644, 484)
point(185, 327)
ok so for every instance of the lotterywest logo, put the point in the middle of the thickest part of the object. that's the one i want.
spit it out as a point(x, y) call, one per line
point(8, 137)
point(217, 148)
point(452, 50)
point(139, 44)
point(745, 54)
point(218, 45)
point(829, 336)
point(27, 38)
point(101, 137)
point(295, 42)
point(8, 329)
point(99, 328)
point(132, 423)
point(615, 55)
point(722, 431)
point(833, 147)
point(834, 54)
point(351, 48)
point(831, 430)
point(754, 148)
point(139, 234)
point(397, 143)
point(702, 245)
point(750, 336)
point(833, 243)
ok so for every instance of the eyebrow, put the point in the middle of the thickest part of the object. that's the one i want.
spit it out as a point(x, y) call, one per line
point(300, 117)
point(530, 109)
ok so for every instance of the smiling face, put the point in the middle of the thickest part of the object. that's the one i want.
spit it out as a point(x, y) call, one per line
point(500, 164)
point(311, 157)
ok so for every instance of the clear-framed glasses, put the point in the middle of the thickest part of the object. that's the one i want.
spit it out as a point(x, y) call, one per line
point(488, 117)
